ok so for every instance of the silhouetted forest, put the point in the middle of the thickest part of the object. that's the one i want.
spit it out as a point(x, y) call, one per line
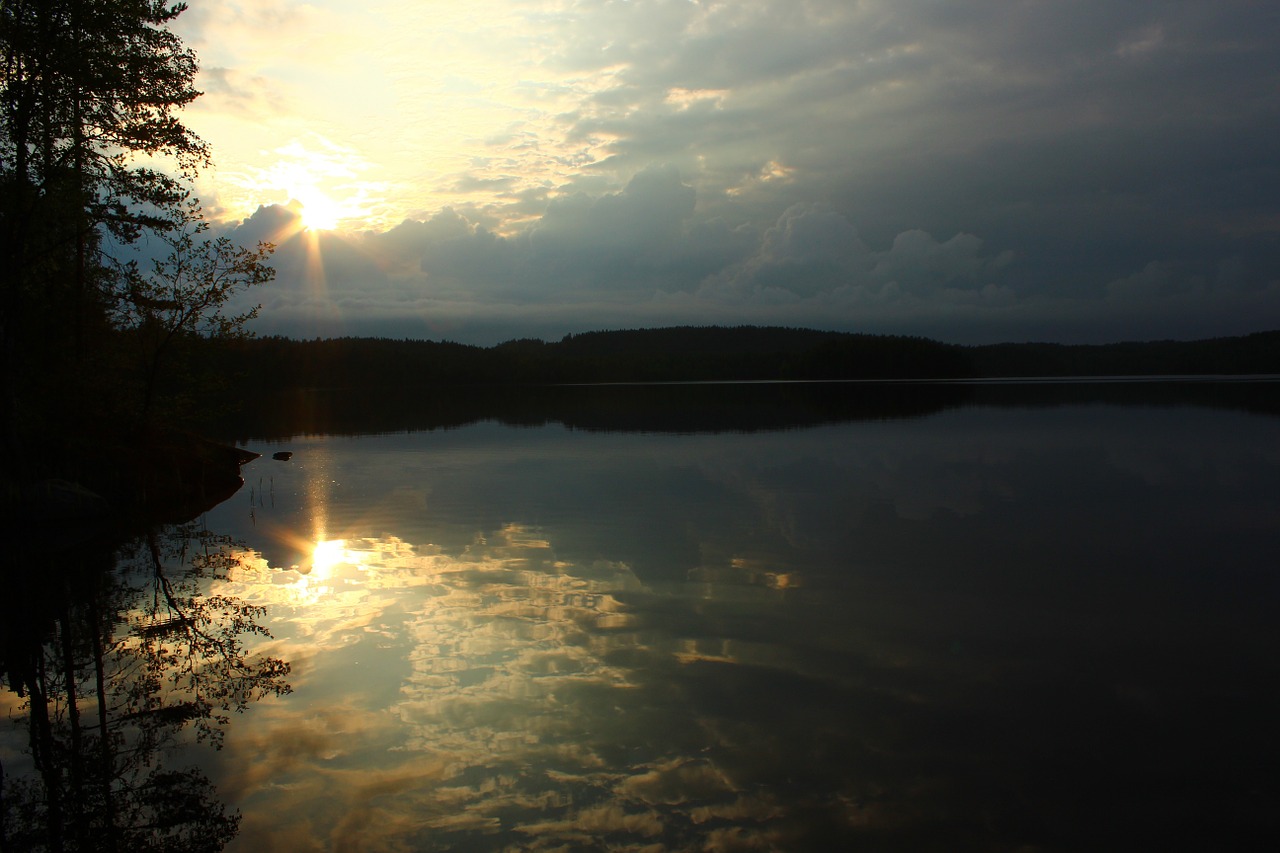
point(715, 354)
point(97, 378)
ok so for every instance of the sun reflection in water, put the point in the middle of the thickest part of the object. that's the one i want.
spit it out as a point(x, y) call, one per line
point(325, 556)
point(488, 677)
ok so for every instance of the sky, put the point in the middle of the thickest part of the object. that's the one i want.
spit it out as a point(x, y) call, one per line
point(981, 171)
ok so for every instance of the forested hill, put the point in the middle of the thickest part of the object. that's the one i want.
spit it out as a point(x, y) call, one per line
point(719, 353)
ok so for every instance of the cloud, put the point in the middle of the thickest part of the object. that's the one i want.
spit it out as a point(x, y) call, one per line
point(808, 250)
point(1033, 123)
point(272, 223)
point(918, 263)
point(969, 171)
point(537, 684)
point(1156, 279)
point(814, 260)
point(621, 225)
point(228, 90)
point(644, 256)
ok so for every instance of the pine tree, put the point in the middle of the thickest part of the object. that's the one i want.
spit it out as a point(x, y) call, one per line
point(93, 154)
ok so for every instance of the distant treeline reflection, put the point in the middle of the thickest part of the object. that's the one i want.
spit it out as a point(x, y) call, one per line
point(704, 354)
point(697, 407)
point(703, 379)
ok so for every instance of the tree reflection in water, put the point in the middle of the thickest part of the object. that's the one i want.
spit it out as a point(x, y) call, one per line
point(118, 655)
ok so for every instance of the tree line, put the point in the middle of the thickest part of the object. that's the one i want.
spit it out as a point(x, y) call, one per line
point(101, 350)
point(713, 354)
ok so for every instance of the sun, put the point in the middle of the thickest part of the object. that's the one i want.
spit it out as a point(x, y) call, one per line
point(326, 555)
point(319, 212)
point(318, 181)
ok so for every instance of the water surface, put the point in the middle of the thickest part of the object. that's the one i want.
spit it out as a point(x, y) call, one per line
point(995, 625)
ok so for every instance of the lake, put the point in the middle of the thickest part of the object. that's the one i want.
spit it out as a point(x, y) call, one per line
point(1000, 616)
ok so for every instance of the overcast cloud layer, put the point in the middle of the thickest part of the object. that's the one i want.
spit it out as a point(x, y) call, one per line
point(1073, 170)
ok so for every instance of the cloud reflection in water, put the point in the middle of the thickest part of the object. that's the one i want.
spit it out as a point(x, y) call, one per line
point(982, 630)
point(518, 709)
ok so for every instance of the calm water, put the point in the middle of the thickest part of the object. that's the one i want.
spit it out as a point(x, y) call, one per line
point(1021, 622)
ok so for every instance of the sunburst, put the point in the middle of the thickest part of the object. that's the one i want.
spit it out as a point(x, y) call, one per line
point(320, 211)
point(320, 185)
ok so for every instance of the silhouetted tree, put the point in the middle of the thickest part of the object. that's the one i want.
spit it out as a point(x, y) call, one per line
point(185, 295)
point(90, 92)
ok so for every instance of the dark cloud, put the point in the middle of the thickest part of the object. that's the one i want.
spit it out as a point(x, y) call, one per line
point(1118, 122)
point(1080, 170)
point(616, 239)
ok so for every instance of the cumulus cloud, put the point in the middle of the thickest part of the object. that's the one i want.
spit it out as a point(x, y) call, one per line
point(620, 225)
point(969, 170)
point(1154, 280)
point(1079, 136)
point(642, 244)
point(644, 256)
point(814, 256)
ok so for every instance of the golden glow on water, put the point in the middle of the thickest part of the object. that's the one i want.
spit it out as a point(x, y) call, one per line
point(505, 688)
point(317, 492)
point(765, 643)
point(325, 556)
